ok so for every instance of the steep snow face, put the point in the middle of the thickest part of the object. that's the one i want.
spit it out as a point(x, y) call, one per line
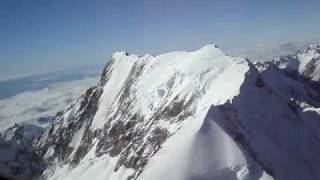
point(188, 115)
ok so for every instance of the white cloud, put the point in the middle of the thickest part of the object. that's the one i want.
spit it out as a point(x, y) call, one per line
point(29, 107)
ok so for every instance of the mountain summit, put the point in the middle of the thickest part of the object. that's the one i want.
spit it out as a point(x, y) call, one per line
point(196, 115)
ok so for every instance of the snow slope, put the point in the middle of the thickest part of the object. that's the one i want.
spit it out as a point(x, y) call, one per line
point(187, 115)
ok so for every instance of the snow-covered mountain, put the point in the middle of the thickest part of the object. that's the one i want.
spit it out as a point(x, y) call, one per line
point(190, 116)
point(305, 63)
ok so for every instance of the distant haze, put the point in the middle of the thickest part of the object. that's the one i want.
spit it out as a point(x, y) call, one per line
point(40, 36)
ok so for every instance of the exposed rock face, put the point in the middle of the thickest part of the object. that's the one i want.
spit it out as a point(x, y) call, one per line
point(16, 151)
point(190, 115)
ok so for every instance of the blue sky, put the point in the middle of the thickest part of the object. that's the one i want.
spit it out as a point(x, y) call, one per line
point(38, 36)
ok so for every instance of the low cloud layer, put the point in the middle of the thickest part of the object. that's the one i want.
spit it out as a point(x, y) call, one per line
point(37, 107)
point(268, 51)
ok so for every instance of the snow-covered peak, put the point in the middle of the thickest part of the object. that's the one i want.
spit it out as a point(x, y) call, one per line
point(306, 57)
point(160, 79)
point(209, 47)
point(209, 50)
point(305, 63)
point(185, 115)
point(144, 98)
point(119, 54)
